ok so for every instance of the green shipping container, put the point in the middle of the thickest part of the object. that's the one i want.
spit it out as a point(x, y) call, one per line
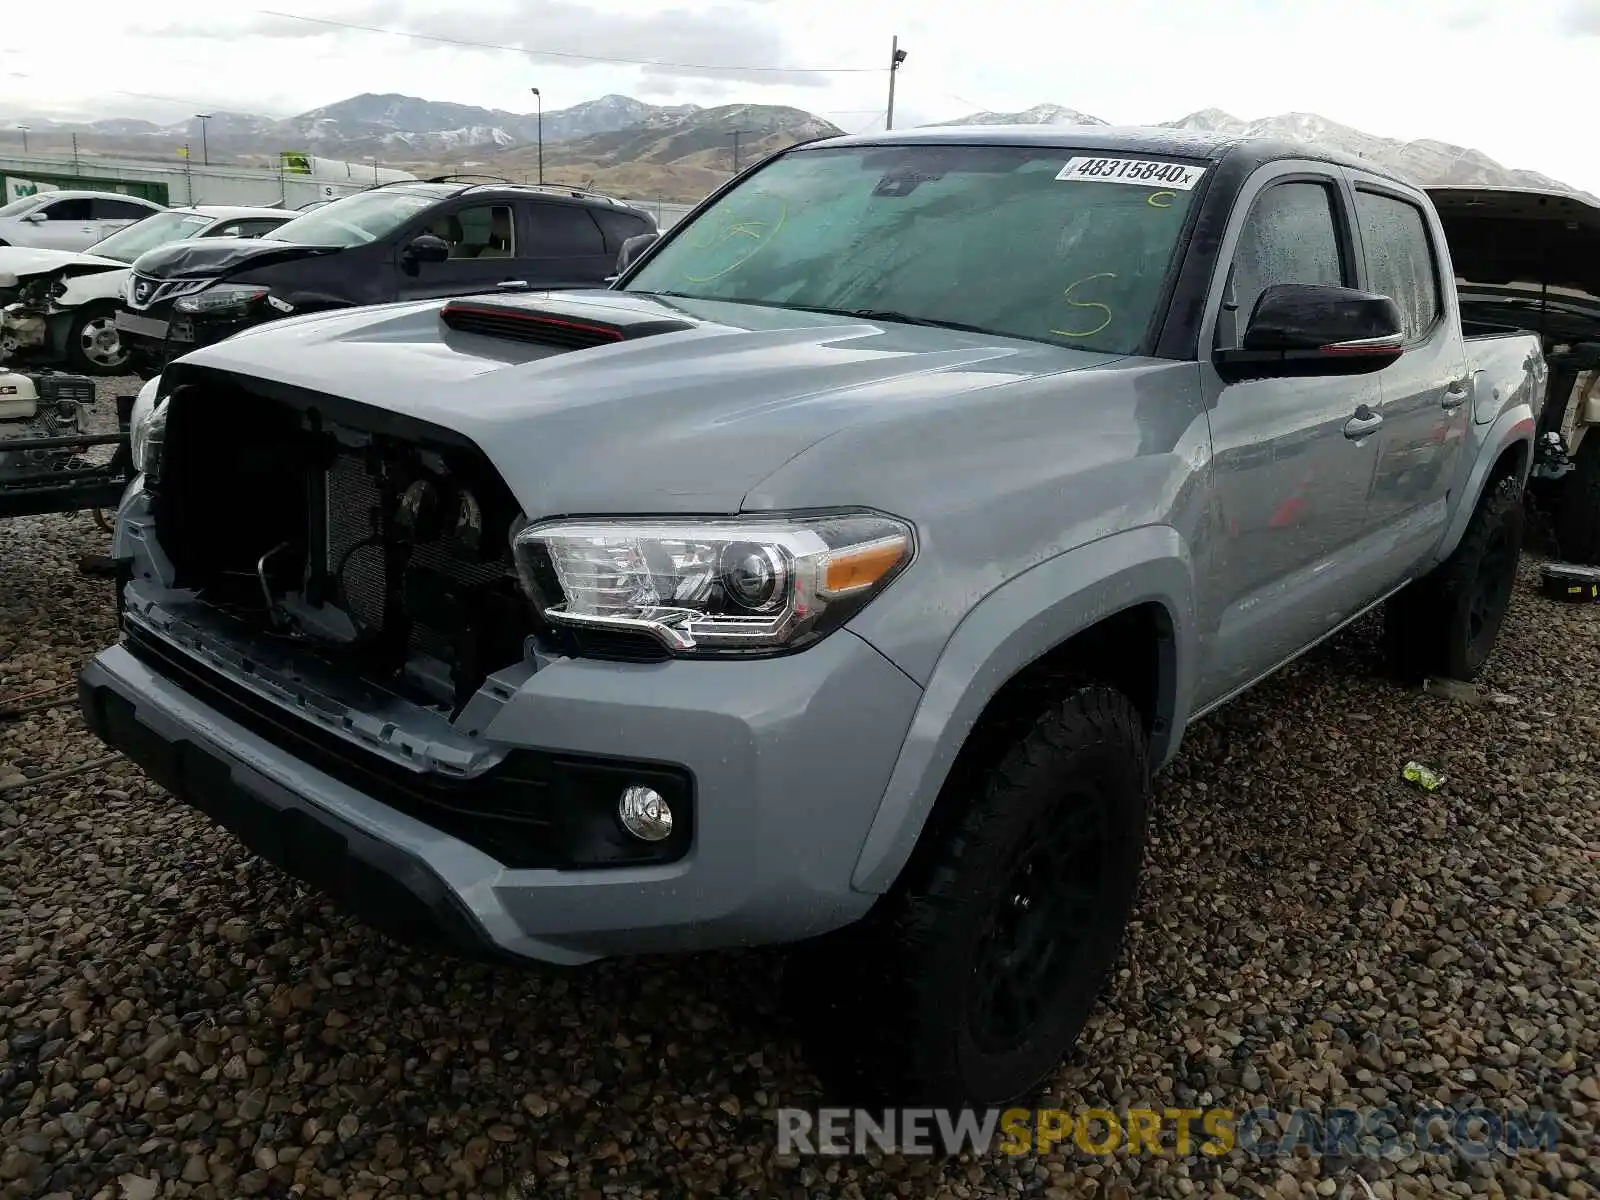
point(17, 185)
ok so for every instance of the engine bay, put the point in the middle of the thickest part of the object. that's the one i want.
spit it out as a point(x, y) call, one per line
point(386, 551)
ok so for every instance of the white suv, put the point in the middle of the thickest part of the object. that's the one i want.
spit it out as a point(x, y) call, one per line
point(69, 220)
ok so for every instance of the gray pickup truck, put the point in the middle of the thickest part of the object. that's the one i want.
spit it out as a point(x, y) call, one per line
point(836, 578)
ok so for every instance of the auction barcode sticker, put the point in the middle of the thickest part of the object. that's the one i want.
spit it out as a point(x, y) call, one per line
point(1142, 172)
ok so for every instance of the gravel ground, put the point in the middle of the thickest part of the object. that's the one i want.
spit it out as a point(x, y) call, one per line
point(179, 1019)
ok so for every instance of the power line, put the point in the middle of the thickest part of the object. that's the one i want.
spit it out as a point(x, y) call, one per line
point(600, 58)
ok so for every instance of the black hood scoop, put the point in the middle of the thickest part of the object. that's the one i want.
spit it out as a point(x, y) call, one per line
point(566, 326)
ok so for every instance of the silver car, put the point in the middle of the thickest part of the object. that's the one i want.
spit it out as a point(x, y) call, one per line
point(65, 220)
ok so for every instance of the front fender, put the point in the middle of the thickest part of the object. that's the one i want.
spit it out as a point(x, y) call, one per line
point(1514, 425)
point(1011, 627)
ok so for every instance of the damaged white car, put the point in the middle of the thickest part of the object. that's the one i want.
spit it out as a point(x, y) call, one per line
point(59, 306)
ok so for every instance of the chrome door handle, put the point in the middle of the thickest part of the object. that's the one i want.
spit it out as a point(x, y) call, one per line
point(513, 285)
point(1455, 395)
point(1363, 423)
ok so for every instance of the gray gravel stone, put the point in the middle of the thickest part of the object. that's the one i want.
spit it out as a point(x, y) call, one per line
point(179, 1019)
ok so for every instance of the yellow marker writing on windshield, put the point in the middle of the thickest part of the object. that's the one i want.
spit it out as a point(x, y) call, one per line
point(1110, 316)
point(736, 225)
point(1161, 199)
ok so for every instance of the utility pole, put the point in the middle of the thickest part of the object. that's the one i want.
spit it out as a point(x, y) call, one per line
point(23, 129)
point(75, 169)
point(538, 100)
point(896, 57)
point(736, 135)
point(205, 149)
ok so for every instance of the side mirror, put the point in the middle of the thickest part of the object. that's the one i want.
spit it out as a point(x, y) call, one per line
point(1315, 329)
point(427, 247)
point(633, 248)
point(37, 217)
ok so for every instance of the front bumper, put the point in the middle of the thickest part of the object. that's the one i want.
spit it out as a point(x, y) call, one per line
point(150, 355)
point(788, 756)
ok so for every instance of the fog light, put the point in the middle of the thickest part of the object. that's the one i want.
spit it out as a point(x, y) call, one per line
point(644, 813)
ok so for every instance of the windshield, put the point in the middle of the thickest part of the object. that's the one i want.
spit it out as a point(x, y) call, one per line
point(20, 207)
point(354, 220)
point(1030, 242)
point(128, 243)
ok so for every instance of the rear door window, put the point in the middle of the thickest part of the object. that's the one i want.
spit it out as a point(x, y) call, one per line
point(1400, 258)
point(80, 209)
point(562, 231)
point(119, 210)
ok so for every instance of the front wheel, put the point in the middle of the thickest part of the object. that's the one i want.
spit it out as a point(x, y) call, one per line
point(1446, 623)
point(93, 346)
point(973, 977)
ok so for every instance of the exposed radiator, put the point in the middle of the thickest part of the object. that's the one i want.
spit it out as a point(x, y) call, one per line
point(357, 555)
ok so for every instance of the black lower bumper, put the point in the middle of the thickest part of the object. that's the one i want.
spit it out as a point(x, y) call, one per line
point(385, 886)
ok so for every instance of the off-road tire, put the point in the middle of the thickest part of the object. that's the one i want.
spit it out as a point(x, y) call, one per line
point(77, 359)
point(1577, 518)
point(1446, 623)
point(891, 1009)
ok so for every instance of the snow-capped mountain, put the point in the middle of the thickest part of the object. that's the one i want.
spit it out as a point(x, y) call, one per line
point(402, 129)
point(406, 123)
point(1425, 161)
point(1039, 114)
point(388, 125)
point(1209, 120)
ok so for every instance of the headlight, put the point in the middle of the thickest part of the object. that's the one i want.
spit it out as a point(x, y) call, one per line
point(220, 298)
point(147, 428)
point(747, 584)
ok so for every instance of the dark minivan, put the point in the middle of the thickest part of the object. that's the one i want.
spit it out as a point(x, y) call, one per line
point(405, 241)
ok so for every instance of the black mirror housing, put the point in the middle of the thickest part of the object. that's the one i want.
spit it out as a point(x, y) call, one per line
point(427, 247)
point(633, 247)
point(1310, 329)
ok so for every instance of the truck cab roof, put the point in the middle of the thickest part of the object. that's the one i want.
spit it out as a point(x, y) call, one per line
point(1121, 139)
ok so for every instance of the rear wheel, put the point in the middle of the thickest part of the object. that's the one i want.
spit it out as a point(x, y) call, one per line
point(973, 977)
point(1446, 623)
point(93, 346)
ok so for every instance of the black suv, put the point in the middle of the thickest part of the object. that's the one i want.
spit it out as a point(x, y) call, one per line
point(401, 241)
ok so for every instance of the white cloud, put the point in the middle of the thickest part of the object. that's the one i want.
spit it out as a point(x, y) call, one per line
point(1426, 68)
point(1582, 17)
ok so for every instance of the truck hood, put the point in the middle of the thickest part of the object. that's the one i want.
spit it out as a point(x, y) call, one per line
point(201, 257)
point(1525, 257)
point(24, 261)
point(702, 402)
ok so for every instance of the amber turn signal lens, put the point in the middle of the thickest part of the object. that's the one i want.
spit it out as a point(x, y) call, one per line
point(861, 567)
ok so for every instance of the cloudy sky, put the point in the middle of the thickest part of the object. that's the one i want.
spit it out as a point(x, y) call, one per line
point(1519, 82)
